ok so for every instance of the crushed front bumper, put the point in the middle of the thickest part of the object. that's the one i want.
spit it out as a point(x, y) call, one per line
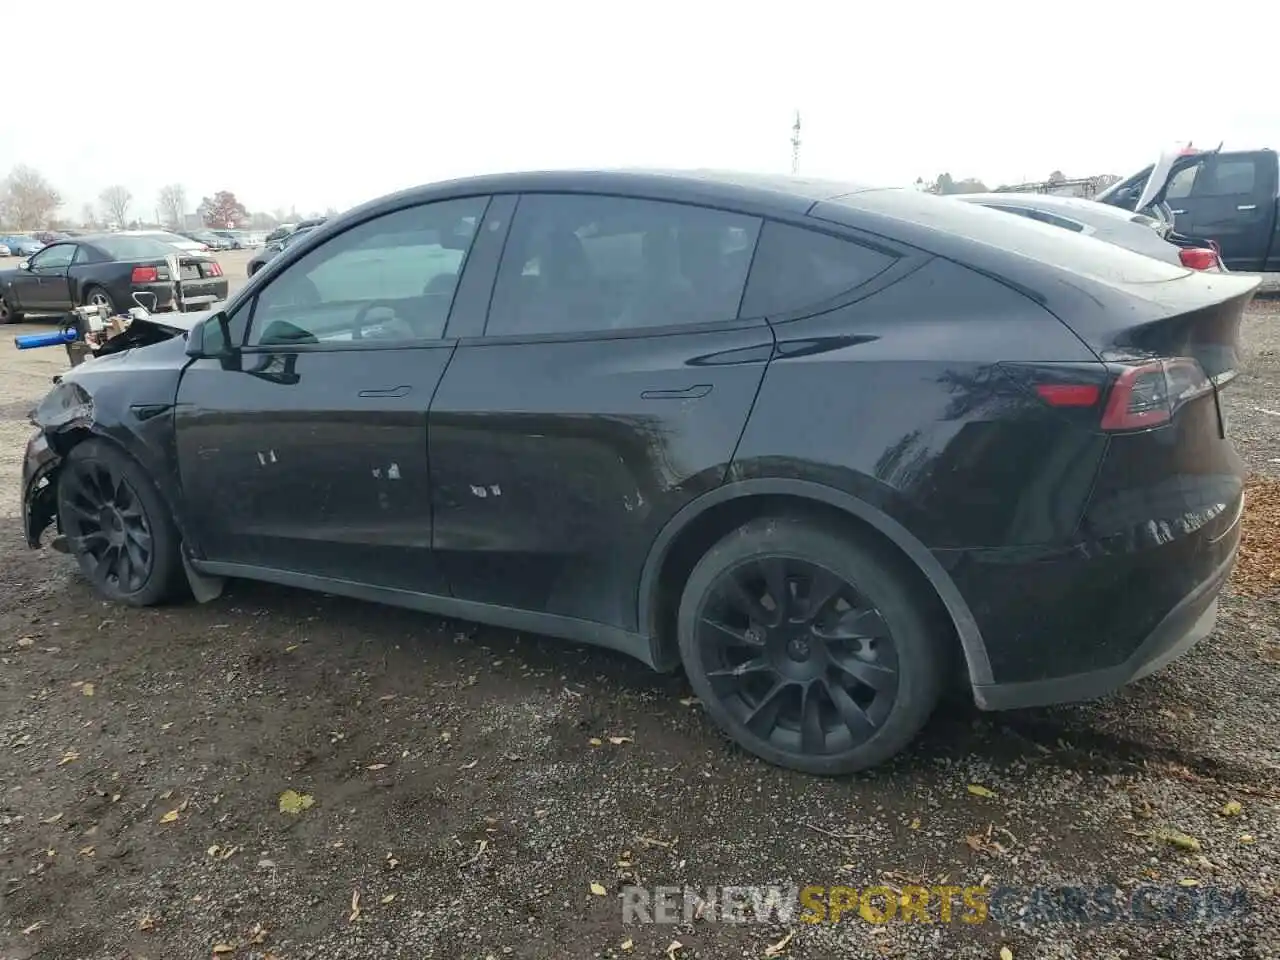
point(39, 491)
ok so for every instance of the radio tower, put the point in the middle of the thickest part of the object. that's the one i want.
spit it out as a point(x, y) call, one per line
point(795, 145)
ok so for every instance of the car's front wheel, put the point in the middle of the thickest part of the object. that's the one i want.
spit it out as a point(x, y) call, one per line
point(117, 526)
point(809, 648)
point(7, 313)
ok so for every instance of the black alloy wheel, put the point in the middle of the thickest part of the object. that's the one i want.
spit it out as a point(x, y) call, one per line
point(807, 649)
point(116, 525)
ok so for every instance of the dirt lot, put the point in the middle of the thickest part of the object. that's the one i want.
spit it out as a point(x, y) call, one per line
point(462, 805)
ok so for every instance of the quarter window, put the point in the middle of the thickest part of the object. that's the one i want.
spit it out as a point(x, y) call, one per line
point(578, 264)
point(388, 279)
point(797, 268)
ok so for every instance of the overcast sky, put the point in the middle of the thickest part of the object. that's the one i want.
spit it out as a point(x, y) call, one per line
point(328, 103)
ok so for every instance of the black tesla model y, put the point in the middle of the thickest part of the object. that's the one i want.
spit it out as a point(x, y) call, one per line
point(828, 448)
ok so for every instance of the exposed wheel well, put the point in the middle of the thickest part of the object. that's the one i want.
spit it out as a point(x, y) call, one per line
point(718, 521)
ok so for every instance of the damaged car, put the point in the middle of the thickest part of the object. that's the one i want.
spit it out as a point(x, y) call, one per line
point(829, 448)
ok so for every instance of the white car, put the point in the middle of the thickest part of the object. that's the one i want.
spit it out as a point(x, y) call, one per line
point(4, 251)
point(185, 244)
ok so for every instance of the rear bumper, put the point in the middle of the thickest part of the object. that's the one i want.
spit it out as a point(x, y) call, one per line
point(1189, 622)
point(195, 292)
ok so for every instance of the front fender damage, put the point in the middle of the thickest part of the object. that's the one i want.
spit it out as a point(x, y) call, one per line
point(63, 419)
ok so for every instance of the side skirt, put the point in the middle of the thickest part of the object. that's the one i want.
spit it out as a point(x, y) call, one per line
point(566, 628)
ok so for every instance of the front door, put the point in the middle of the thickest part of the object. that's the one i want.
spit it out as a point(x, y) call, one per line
point(1227, 198)
point(45, 288)
point(309, 455)
point(610, 388)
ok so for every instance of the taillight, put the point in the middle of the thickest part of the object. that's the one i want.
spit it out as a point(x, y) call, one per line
point(213, 269)
point(145, 274)
point(1069, 394)
point(1149, 394)
point(1198, 258)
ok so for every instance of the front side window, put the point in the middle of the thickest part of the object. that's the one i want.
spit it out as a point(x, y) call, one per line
point(797, 268)
point(54, 258)
point(1183, 182)
point(581, 264)
point(389, 278)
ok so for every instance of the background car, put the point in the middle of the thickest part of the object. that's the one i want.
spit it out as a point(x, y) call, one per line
point(185, 244)
point(4, 250)
point(1143, 234)
point(828, 447)
point(210, 239)
point(280, 232)
point(106, 269)
point(22, 245)
point(274, 247)
point(50, 236)
point(231, 239)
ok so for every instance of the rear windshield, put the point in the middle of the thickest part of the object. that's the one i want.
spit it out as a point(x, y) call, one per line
point(1016, 235)
point(134, 248)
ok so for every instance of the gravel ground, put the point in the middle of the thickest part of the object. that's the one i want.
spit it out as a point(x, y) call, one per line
point(466, 794)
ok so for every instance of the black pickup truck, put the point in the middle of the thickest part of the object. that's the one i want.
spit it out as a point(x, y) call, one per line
point(1229, 197)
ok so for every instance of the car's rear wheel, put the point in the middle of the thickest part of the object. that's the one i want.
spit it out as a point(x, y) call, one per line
point(7, 313)
point(808, 648)
point(98, 297)
point(117, 526)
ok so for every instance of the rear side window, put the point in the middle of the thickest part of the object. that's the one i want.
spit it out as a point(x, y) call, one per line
point(1228, 178)
point(796, 268)
point(578, 264)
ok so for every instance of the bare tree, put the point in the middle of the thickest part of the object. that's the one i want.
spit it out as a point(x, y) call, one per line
point(115, 204)
point(27, 199)
point(173, 205)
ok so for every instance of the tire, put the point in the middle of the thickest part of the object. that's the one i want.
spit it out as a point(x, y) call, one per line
point(96, 294)
point(828, 691)
point(112, 514)
point(7, 313)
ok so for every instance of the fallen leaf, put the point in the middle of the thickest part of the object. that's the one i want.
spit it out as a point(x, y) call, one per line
point(469, 766)
point(776, 949)
point(386, 697)
point(914, 824)
point(146, 922)
point(688, 701)
point(1232, 808)
point(627, 944)
point(54, 819)
point(223, 948)
point(1188, 882)
point(1177, 838)
point(376, 766)
point(1006, 953)
point(355, 907)
point(257, 933)
point(1246, 838)
point(67, 757)
point(27, 931)
point(598, 890)
point(294, 803)
point(387, 899)
point(291, 647)
point(674, 947)
point(619, 741)
point(980, 791)
point(87, 689)
point(86, 851)
point(169, 817)
point(26, 641)
point(596, 742)
point(446, 737)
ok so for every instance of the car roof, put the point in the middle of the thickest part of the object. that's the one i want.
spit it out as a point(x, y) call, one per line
point(1049, 202)
point(762, 191)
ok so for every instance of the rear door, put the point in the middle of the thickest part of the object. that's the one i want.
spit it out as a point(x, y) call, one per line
point(608, 389)
point(309, 456)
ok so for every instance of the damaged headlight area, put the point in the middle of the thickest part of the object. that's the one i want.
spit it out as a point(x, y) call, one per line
point(65, 409)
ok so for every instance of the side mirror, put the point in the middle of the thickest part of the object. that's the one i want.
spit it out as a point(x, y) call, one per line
point(25, 265)
point(210, 339)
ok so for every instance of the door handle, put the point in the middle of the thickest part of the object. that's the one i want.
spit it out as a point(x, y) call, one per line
point(1247, 206)
point(402, 391)
point(1175, 212)
point(688, 393)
